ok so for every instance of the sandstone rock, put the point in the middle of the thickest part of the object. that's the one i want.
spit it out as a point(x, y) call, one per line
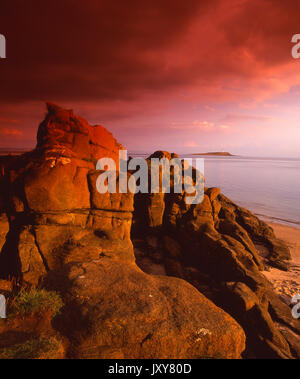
point(219, 241)
point(121, 202)
point(65, 134)
point(31, 259)
point(4, 229)
point(243, 298)
point(155, 209)
point(152, 241)
point(55, 224)
point(292, 339)
point(6, 287)
point(160, 154)
point(58, 188)
point(172, 247)
point(128, 314)
point(56, 213)
point(213, 193)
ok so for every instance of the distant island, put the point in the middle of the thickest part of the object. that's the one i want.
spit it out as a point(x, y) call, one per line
point(218, 153)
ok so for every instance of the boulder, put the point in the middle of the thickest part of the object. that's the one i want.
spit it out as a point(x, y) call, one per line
point(117, 311)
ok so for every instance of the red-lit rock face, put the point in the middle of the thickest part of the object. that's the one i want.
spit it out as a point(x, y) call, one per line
point(55, 224)
point(56, 213)
point(69, 135)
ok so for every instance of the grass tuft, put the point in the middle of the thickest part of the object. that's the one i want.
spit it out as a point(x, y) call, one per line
point(35, 301)
point(40, 348)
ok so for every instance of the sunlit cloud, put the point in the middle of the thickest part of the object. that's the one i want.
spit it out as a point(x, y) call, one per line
point(190, 144)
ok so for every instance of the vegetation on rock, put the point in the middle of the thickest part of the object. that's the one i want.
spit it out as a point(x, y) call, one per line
point(35, 301)
point(39, 348)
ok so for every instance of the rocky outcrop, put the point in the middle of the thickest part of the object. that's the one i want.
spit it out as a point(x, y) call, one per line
point(52, 212)
point(213, 246)
point(58, 231)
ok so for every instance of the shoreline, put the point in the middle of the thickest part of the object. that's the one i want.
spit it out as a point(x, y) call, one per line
point(286, 283)
point(276, 221)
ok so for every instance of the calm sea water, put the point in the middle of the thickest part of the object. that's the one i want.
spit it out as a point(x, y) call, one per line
point(269, 187)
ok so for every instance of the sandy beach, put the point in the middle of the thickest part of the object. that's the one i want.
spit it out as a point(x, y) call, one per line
point(287, 284)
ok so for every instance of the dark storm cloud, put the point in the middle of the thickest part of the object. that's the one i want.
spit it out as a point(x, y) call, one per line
point(79, 49)
point(82, 50)
point(121, 62)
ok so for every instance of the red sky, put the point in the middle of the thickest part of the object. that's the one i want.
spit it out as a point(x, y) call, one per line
point(183, 76)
